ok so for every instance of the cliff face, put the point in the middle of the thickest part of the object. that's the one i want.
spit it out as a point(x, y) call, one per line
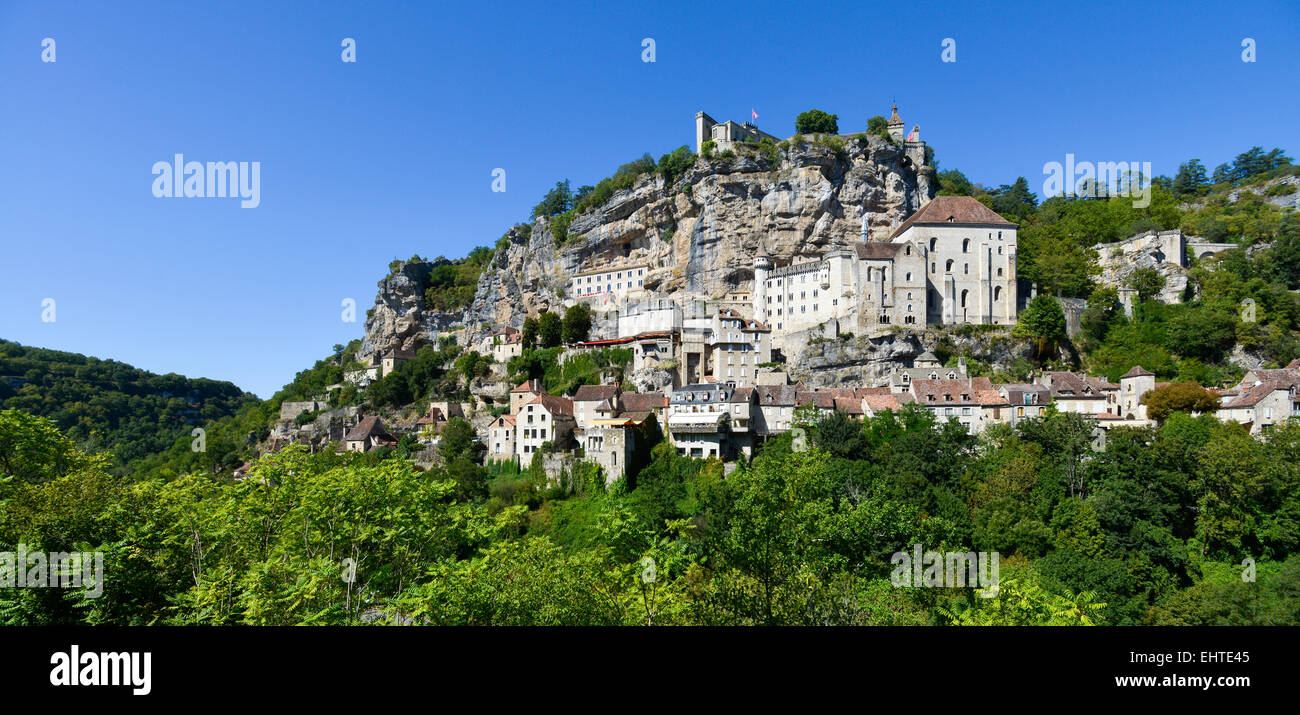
point(698, 235)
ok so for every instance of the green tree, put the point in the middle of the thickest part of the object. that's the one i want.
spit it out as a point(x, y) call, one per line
point(815, 121)
point(577, 323)
point(529, 337)
point(550, 330)
point(1186, 397)
point(1042, 321)
point(556, 201)
point(1191, 179)
point(879, 126)
point(1148, 282)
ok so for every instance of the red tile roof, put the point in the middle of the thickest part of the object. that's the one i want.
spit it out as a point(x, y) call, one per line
point(944, 210)
point(530, 386)
point(644, 401)
point(593, 393)
point(368, 427)
point(552, 404)
point(877, 250)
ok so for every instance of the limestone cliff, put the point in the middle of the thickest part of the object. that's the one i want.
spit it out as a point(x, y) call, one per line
point(697, 234)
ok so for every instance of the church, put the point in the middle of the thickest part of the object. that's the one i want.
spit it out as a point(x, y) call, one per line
point(953, 262)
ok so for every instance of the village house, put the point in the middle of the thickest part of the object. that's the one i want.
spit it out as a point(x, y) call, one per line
point(740, 415)
point(592, 402)
point(430, 425)
point(874, 404)
point(611, 443)
point(925, 367)
point(954, 399)
point(775, 408)
point(392, 358)
point(501, 439)
point(1025, 401)
point(1263, 398)
point(367, 435)
point(524, 393)
point(1133, 386)
point(699, 420)
point(1260, 406)
point(1078, 393)
point(506, 346)
point(739, 346)
point(655, 403)
point(544, 419)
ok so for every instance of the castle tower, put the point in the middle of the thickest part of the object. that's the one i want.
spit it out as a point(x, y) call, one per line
point(896, 125)
point(762, 264)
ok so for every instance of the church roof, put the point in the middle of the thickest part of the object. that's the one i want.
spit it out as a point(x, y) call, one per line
point(1137, 371)
point(894, 118)
point(944, 210)
point(877, 250)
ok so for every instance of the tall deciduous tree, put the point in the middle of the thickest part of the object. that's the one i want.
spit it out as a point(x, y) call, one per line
point(815, 121)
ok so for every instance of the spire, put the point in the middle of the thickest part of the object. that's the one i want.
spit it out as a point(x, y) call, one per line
point(894, 117)
point(762, 251)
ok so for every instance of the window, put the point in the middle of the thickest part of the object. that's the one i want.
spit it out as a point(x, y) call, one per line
point(909, 277)
point(948, 267)
point(965, 245)
point(966, 268)
point(933, 243)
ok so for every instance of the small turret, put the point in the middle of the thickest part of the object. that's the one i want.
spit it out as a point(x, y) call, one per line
point(761, 259)
point(896, 126)
point(762, 264)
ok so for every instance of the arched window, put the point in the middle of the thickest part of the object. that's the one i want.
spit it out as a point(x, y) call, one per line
point(907, 251)
point(909, 295)
point(948, 267)
point(963, 297)
point(997, 293)
point(965, 245)
point(909, 276)
point(933, 243)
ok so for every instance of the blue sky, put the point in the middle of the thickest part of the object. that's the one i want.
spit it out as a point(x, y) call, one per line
point(392, 155)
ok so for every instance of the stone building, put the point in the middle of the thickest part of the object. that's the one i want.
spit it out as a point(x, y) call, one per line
point(951, 262)
point(699, 420)
point(545, 419)
point(607, 283)
point(739, 346)
point(726, 134)
point(501, 439)
point(367, 435)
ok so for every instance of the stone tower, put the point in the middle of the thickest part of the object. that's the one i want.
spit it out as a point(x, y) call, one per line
point(896, 125)
point(762, 264)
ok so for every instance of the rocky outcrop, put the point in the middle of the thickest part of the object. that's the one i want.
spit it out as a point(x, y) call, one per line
point(858, 361)
point(698, 235)
point(1120, 260)
point(399, 320)
point(649, 379)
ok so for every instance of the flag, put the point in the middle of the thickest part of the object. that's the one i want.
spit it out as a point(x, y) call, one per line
point(755, 114)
